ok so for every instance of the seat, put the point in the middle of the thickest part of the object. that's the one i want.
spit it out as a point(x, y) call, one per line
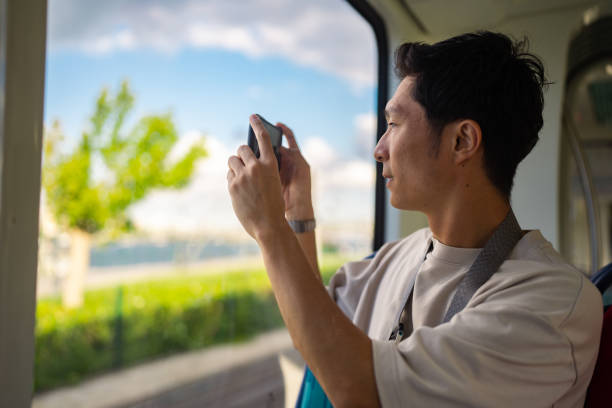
point(598, 394)
point(603, 278)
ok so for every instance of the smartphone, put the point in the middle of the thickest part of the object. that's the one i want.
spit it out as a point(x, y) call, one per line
point(276, 137)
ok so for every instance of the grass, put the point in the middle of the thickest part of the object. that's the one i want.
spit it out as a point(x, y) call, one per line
point(124, 325)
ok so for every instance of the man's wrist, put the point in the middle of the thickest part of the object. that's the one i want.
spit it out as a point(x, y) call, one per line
point(300, 213)
point(301, 226)
point(269, 235)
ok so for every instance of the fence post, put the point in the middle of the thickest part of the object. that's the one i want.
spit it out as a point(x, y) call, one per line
point(118, 332)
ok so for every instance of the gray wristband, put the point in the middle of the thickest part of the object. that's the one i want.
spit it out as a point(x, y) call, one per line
point(300, 226)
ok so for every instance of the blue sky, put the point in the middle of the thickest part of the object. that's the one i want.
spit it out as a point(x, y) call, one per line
point(213, 91)
point(212, 63)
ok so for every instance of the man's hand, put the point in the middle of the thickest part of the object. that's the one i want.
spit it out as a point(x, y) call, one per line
point(295, 179)
point(255, 186)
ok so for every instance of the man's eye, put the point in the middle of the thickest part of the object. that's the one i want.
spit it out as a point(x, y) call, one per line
point(390, 124)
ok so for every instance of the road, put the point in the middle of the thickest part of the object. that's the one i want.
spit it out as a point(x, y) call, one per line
point(263, 372)
point(258, 384)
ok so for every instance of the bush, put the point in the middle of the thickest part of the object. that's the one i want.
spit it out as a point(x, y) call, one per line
point(118, 327)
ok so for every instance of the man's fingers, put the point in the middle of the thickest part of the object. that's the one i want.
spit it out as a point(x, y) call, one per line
point(246, 154)
point(235, 164)
point(263, 139)
point(289, 135)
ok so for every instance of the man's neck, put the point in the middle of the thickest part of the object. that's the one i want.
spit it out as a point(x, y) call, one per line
point(469, 221)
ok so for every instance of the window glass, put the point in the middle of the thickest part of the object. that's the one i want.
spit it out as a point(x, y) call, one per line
point(591, 119)
point(143, 265)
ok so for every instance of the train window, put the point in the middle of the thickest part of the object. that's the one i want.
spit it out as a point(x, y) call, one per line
point(149, 291)
point(588, 121)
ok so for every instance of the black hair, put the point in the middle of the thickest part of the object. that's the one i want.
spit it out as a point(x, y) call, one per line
point(486, 77)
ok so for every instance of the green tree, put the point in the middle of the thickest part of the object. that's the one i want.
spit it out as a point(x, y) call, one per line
point(130, 164)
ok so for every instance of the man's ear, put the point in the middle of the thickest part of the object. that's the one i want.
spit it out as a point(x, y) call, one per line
point(467, 140)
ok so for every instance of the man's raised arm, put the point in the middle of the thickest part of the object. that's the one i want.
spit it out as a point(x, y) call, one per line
point(339, 353)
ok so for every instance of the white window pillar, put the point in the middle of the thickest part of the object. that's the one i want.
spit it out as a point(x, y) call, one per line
point(22, 73)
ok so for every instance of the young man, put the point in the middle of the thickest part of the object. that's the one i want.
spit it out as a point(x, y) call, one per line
point(466, 112)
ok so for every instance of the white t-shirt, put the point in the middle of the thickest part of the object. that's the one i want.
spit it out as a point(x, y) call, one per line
point(528, 337)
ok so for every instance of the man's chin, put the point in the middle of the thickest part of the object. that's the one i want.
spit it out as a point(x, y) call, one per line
point(403, 204)
point(396, 202)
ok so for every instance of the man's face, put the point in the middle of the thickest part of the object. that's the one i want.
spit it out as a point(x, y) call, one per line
point(416, 176)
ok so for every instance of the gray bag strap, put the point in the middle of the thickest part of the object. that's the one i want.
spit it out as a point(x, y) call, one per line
point(496, 250)
point(488, 261)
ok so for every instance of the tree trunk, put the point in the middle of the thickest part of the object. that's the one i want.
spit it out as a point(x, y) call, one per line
point(74, 283)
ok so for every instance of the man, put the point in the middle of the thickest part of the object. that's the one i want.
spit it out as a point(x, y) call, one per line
point(466, 112)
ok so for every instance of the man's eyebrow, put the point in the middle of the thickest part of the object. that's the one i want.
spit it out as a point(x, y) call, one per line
point(391, 109)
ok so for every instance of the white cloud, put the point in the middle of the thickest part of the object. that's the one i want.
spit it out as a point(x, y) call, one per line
point(333, 171)
point(184, 144)
point(326, 35)
point(353, 174)
point(204, 206)
point(365, 134)
point(318, 153)
point(343, 191)
point(217, 36)
point(121, 40)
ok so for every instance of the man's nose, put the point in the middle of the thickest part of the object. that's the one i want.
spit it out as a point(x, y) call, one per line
point(380, 151)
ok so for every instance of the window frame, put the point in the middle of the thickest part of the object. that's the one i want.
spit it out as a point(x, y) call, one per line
point(380, 32)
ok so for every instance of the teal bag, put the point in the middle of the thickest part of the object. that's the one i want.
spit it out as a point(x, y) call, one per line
point(311, 394)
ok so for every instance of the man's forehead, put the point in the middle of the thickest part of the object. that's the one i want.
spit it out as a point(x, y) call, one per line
point(401, 99)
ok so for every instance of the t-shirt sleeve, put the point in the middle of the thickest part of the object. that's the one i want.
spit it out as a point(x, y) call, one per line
point(347, 284)
point(491, 355)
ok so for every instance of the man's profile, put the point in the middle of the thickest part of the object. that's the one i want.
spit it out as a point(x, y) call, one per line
point(387, 331)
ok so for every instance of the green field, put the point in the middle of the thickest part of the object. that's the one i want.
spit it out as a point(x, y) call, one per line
point(132, 323)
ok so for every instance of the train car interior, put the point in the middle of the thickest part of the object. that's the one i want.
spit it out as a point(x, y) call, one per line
point(125, 278)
